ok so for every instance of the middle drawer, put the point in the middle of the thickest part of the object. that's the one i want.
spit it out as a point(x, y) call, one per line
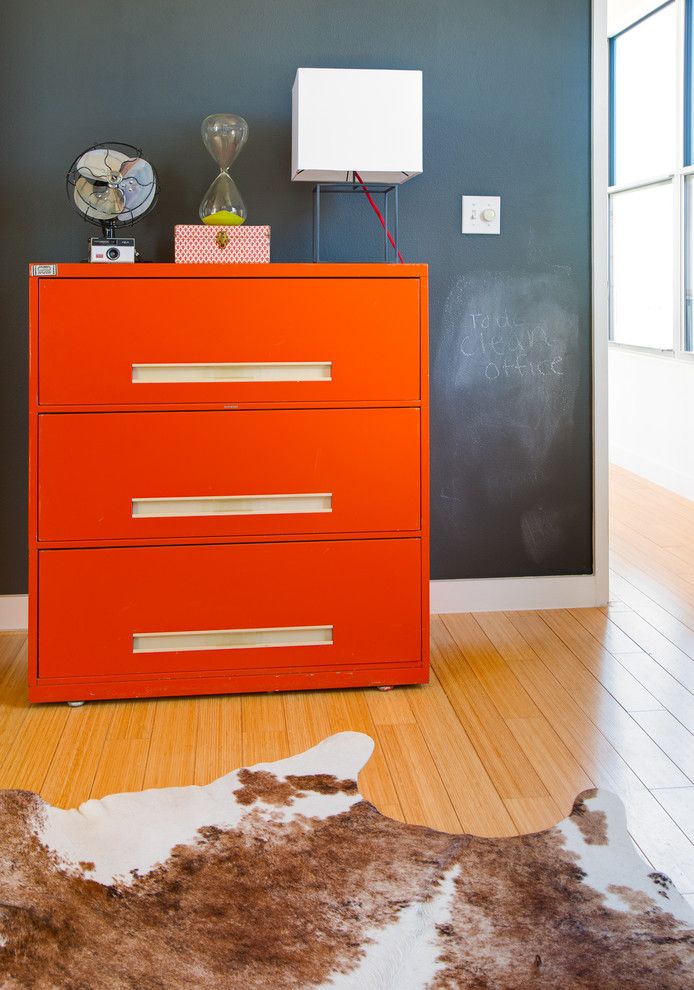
point(107, 476)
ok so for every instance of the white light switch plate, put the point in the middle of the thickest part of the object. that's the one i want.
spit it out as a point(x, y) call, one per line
point(477, 214)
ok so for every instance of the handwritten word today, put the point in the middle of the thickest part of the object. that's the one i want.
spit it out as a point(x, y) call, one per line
point(510, 347)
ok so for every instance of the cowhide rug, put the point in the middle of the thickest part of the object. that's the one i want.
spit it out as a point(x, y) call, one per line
point(282, 876)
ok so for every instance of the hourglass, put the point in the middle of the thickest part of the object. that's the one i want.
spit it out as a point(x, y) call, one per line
point(223, 134)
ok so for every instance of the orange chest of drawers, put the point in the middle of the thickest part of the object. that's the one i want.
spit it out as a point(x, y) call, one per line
point(228, 479)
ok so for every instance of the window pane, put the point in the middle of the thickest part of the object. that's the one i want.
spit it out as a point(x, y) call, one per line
point(644, 117)
point(642, 266)
point(689, 264)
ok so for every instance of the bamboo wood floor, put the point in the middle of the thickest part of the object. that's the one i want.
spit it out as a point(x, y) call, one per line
point(524, 710)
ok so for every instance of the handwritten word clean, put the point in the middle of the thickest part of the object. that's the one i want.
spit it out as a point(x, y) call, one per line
point(509, 347)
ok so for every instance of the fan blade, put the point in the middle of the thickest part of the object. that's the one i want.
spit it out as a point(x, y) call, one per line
point(100, 163)
point(137, 184)
point(98, 202)
point(143, 207)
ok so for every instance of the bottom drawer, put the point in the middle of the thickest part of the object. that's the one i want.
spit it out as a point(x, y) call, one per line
point(129, 613)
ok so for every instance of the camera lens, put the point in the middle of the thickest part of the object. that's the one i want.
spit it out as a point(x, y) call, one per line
point(113, 254)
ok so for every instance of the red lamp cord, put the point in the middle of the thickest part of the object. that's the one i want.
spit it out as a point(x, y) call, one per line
point(378, 214)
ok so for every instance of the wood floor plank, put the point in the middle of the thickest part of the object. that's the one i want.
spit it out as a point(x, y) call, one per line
point(126, 748)
point(532, 814)
point(659, 578)
point(13, 676)
point(654, 518)
point(678, 558)
point(423, 794)
point(624, 481)
point(14, 708)
point(132, 720)
point(10, 645)
point(652, 511)
point(508, 695)
point(597, 622)
point(672, 737)
point(577, 730)
point(670, 692)
point(684, 551)
point(349, 712)
point(625, 536)
point(652, 573)
point(614, 606)
point(171, 754)
point(665, 594)
point(72, 771)
point(29, 735)
point(661, 526)
point(622, 685)
point(389, 707)
point(36, 734)
point(264, 729)
point(503, 758)
point(631, 514)
point(661, 839)
point(219, 740)
point(121, 767)
point(679, 804)
point(635, 600)
point(635, 746)
point(307, 719)
point(561, 774)
point(645, 553)
point(470, 789)
point(663, 650)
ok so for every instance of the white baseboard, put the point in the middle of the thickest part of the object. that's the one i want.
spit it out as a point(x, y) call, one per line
point(659, 474)
point(464, 595)
point(13, 612)
point(517, 594)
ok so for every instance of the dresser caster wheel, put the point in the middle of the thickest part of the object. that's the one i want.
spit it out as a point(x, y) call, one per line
point(75, 704)
point(385, 687)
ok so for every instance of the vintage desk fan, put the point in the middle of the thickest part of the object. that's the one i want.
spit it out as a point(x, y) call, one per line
point(113, 186)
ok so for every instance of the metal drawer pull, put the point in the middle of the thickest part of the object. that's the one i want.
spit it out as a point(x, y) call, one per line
point(232, 505)
point(232, 639)
point(260, 371)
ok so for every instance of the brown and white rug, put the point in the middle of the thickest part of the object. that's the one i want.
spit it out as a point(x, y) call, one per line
point(282, 876)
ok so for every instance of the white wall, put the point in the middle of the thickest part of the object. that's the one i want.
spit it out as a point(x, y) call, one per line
point(652, 417)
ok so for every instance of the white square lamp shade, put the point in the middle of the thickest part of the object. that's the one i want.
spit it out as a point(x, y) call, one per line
point(356, 120)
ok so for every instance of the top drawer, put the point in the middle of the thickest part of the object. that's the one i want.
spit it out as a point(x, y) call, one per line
point(161, 340)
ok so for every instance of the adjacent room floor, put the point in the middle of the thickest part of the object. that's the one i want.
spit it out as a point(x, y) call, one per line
point(524, 710)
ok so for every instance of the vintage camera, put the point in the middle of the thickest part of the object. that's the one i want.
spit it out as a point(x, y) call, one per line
point(112, 249)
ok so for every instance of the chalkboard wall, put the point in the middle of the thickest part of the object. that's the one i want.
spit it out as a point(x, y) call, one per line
point(507, 112)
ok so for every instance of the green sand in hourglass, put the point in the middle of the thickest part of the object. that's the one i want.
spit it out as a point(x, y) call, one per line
point(223, 134)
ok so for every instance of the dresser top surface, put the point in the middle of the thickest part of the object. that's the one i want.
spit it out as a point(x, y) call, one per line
point(272, 270)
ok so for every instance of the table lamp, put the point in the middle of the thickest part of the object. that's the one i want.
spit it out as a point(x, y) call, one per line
point(357, 130)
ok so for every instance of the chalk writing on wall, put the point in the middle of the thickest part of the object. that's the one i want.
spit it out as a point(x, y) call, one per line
point(510, 347)
point(512, 449)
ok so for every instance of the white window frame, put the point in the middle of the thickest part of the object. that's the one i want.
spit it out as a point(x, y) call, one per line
point(677, 179)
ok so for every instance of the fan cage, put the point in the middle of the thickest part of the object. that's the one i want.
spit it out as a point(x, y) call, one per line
point(125, 218)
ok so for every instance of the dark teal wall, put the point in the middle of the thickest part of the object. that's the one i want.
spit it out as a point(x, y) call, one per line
point(506, 97)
